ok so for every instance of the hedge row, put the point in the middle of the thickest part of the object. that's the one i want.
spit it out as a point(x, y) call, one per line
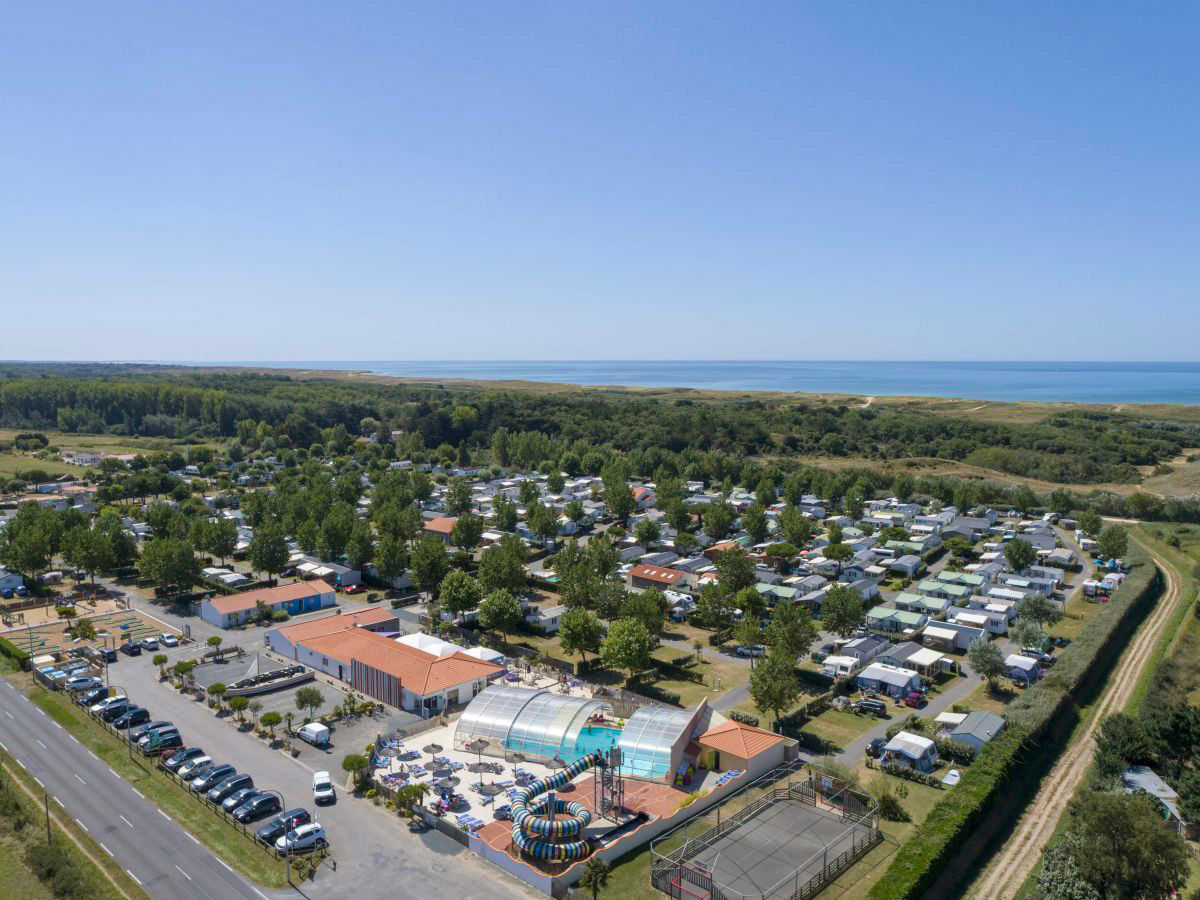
point(922, 860)
point(744, 718)
point(15, 653)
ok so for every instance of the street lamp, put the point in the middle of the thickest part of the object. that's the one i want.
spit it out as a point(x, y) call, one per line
point(287, 863)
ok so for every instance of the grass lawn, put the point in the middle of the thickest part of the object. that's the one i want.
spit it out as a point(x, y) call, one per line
point(838, 727)
point(12, 462)
point(16, 879)
point(220, 837)
point(981, 698)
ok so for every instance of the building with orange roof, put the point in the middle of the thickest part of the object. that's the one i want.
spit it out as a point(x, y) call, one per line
point(440, 528)
point(733, 745)
point(656, 577)
point(286, 639)
point(236, 609)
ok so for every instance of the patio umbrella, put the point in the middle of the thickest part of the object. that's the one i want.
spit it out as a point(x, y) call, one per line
point(432, 748)
point(448, 783)
point(490, 790)
point(477, 747)
point(478, 767)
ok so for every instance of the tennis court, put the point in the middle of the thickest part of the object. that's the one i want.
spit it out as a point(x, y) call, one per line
point(778, 850)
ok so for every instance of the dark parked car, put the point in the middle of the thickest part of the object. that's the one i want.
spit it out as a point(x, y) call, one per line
point(872, 706)
point(131, 648)
point(238, 797)
point(282, 824)
point(138, 733)
point(226, 786)
point(161, 741)
point(92, 697)
point(876, 747)
point(180, 756)
point(135, 715)
point(213, 777)
point(914, 699)
point(255, 808)
point(115, 711)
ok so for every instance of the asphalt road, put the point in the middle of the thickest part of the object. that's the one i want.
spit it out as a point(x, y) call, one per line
point(160, 855)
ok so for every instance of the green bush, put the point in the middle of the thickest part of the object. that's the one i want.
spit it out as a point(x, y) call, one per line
point(955, 751)
point(15, 653)
point(949, 824)
point(744, 718)
point(910, 774)
point(654, 692)
point(373, 597)
point(279, 615)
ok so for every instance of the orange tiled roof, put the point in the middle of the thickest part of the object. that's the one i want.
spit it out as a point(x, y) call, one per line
point(420, 672)
point(740, 740)
point(282, 594)
point(441, 525)
point(333, 624)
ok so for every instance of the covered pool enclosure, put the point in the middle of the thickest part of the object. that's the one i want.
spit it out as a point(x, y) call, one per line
point(538, 724)
point(541, 725)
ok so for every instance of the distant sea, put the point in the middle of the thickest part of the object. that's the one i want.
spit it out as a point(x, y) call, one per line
point(1067, 382)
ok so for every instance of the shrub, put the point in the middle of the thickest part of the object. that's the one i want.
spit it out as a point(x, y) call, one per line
point(911, 774)
point(955, 751)
point(373, 597)
point(654, 692)
point(279, 615)
point(15, 653)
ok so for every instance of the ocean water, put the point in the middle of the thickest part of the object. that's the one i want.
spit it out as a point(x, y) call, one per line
point(1067, 382)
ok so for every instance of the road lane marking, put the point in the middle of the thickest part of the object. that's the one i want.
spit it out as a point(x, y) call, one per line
point(136, 791)
point(125, 820)
point(59, 802)
point(81, 825)
point(23, 697)
point(39, 709)
point(114, 774)
point(189, 834)
point(165, 816)
point(134, 877)
point(59, 727)
point(106, 850)
point(40, 744)
point(19, 763)
point(77, 778)
point(260, 893)
point(72, 737)
point(2, 747)
point(179, 870)
point(7, 713)
point(225, 864)
point(93, 756)
point(39, 781)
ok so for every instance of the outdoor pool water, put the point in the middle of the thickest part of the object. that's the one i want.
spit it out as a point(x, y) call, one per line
point(592, 738)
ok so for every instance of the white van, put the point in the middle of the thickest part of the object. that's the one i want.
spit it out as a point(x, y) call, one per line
point(315, 733)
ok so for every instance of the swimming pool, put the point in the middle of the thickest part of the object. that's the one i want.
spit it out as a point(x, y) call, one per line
point(591, 739)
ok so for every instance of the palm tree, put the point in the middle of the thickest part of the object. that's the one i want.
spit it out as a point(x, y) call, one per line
point(595, 875)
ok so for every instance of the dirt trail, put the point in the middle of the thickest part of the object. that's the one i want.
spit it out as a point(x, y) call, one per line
point(1010, 867)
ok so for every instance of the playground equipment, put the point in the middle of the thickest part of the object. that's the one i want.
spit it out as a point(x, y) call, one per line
point(549, 817)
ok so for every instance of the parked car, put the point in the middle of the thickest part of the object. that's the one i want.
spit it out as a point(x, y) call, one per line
point(314, 733)
point(160, 741)
point(7, 593)
point(914, 699)
point(227, 786)
point(138, 733)
point(168, 640)
point(1033, 653)
point(150, 643)
point(92, 697)
point(323, 788)
point(135, 715)
point(82, 683)
point(100, 706)
point(131, 648)
point(194, 767)
point(355, 589)
point(875, 747)
point(238, 797)
point(306, 837)
point(175, 761)
point(872, 706)
point(212, 777)
point(256, 807)
point(751, 650)
point(282, 824)
point(114, 711)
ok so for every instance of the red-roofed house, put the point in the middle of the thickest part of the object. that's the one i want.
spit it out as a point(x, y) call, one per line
point(413, 679)
point(656, 577)
point(734, 745)
point(440, 528)
point(286, 639)
point(235, 609)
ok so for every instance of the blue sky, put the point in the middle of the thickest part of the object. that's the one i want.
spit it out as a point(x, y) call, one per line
point(268, 181)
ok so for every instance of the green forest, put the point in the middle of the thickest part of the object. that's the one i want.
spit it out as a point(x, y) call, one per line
point(1083, 447)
